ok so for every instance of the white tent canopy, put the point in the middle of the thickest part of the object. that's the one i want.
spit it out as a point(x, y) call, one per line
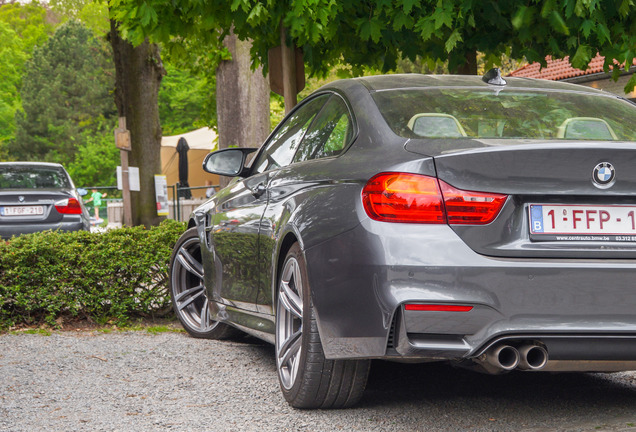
point(201, 142)
point(200, 139)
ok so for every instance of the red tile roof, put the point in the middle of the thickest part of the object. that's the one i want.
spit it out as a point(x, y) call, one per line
point(558, 69)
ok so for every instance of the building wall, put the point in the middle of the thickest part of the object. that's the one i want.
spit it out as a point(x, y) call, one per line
point(604, 82)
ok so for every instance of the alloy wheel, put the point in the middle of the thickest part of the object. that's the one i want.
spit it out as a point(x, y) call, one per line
point(289, 319)
point(191, 301)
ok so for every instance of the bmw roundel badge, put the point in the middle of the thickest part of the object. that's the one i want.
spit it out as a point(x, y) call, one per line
point(603, 175)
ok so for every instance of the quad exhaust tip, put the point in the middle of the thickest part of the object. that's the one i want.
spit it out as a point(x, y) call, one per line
point(533, 357)
point(503, 358)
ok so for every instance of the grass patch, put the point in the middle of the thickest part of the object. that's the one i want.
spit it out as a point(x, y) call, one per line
point(38, 331)
point(164, 329)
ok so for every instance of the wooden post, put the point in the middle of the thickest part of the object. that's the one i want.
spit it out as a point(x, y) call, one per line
point(290, 92)
point(122, 141)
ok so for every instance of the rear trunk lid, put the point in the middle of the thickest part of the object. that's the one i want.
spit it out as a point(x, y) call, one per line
point(565, 199)
point(31, 206)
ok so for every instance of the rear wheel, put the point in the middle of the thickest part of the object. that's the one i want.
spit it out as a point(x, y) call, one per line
point(187, 289)
point(307, 378)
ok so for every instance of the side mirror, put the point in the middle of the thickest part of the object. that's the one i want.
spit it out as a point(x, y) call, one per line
point(227, 162)
point(82, 191)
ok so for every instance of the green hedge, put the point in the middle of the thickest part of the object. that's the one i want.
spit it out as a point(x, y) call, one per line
point(52, 277)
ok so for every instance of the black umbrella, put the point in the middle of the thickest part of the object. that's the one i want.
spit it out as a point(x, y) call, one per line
point(182, 149)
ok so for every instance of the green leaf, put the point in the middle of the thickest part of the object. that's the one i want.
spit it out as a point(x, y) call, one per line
point(629, 59)
point(471, 21)
point(569, 8)
point(376, 30)
point(631, 84)
point(144, 14)
point(582, 57)
point(579, 9)
point(442, 17)
point(426, 27)
point(558, 24)
point(256, 13)
point(400, 21)
point(624, 8)
point(587, 27)
point(407, 5)
point(452, 40)
point(518, 18)
point(153, 15)
point(548, 8)
point(603, 32)
point(571, 42)
point(364, 30)
point(236, 4)
point(132, 13)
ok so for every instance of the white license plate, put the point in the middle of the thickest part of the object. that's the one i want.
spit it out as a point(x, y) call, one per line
point(22, 211)
point(583, 222)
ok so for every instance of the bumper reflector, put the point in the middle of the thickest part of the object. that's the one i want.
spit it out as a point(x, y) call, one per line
point(437, 307)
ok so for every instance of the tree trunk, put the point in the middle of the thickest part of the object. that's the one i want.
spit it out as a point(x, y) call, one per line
point(138, 73)
point(242, 100)
point(470, 66)
point(288, 60)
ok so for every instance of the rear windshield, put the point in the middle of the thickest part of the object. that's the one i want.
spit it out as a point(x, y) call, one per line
point(32, 177)
point(506, 113)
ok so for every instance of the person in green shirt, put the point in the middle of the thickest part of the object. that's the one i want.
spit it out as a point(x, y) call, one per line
point(96, 198)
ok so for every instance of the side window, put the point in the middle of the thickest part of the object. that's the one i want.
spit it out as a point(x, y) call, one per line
point(329, 134)
point(280, 150)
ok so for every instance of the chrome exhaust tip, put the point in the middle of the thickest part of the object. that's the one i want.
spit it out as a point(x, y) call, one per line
point(504, 357)
point(533, 357)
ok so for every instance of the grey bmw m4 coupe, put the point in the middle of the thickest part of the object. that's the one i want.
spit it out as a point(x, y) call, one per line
point(488, 222)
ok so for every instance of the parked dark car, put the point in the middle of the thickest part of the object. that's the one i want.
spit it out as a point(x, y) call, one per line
point(36, 196)
point(487, 222)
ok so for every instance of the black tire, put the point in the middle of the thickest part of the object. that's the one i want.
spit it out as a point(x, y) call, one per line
point(187, 290)
point(307, 378)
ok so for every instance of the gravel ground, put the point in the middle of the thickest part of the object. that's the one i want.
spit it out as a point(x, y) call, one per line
point(137, 381)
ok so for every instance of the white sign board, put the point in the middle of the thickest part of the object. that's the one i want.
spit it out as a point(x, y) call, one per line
point(161, 195)
point(133, 179)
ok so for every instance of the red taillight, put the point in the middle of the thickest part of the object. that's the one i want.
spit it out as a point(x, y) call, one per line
point(68, 206)
point(415, 198)
point(437, 307)
point(401, 197)
point(470, 208)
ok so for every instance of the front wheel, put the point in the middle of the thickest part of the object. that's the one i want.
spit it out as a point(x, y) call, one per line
point(307, 378)
point(187, 290)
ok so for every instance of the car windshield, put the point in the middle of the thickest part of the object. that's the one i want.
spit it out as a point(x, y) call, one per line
point(506, 113)
point(32, 177)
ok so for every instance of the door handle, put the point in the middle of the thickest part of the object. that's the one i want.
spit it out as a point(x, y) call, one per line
point(259, 190)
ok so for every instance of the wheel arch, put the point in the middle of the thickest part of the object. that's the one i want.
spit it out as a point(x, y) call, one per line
point(288, 240)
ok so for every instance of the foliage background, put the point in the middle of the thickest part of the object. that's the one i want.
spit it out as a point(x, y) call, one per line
point(45, 116)
point(338, 38)
point(52, 277)
point(65, 96)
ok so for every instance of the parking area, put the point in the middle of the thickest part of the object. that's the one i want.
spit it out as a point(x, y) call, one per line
point(134, 381)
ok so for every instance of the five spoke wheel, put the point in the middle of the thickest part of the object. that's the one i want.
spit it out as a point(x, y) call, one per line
point(289, 323)
point(187, 289)
point(307, 378)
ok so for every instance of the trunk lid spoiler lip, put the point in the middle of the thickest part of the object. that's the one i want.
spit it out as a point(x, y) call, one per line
point(440, 147)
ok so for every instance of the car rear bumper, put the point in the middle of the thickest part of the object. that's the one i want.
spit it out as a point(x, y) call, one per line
point(377, 268)
point(9, 230)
